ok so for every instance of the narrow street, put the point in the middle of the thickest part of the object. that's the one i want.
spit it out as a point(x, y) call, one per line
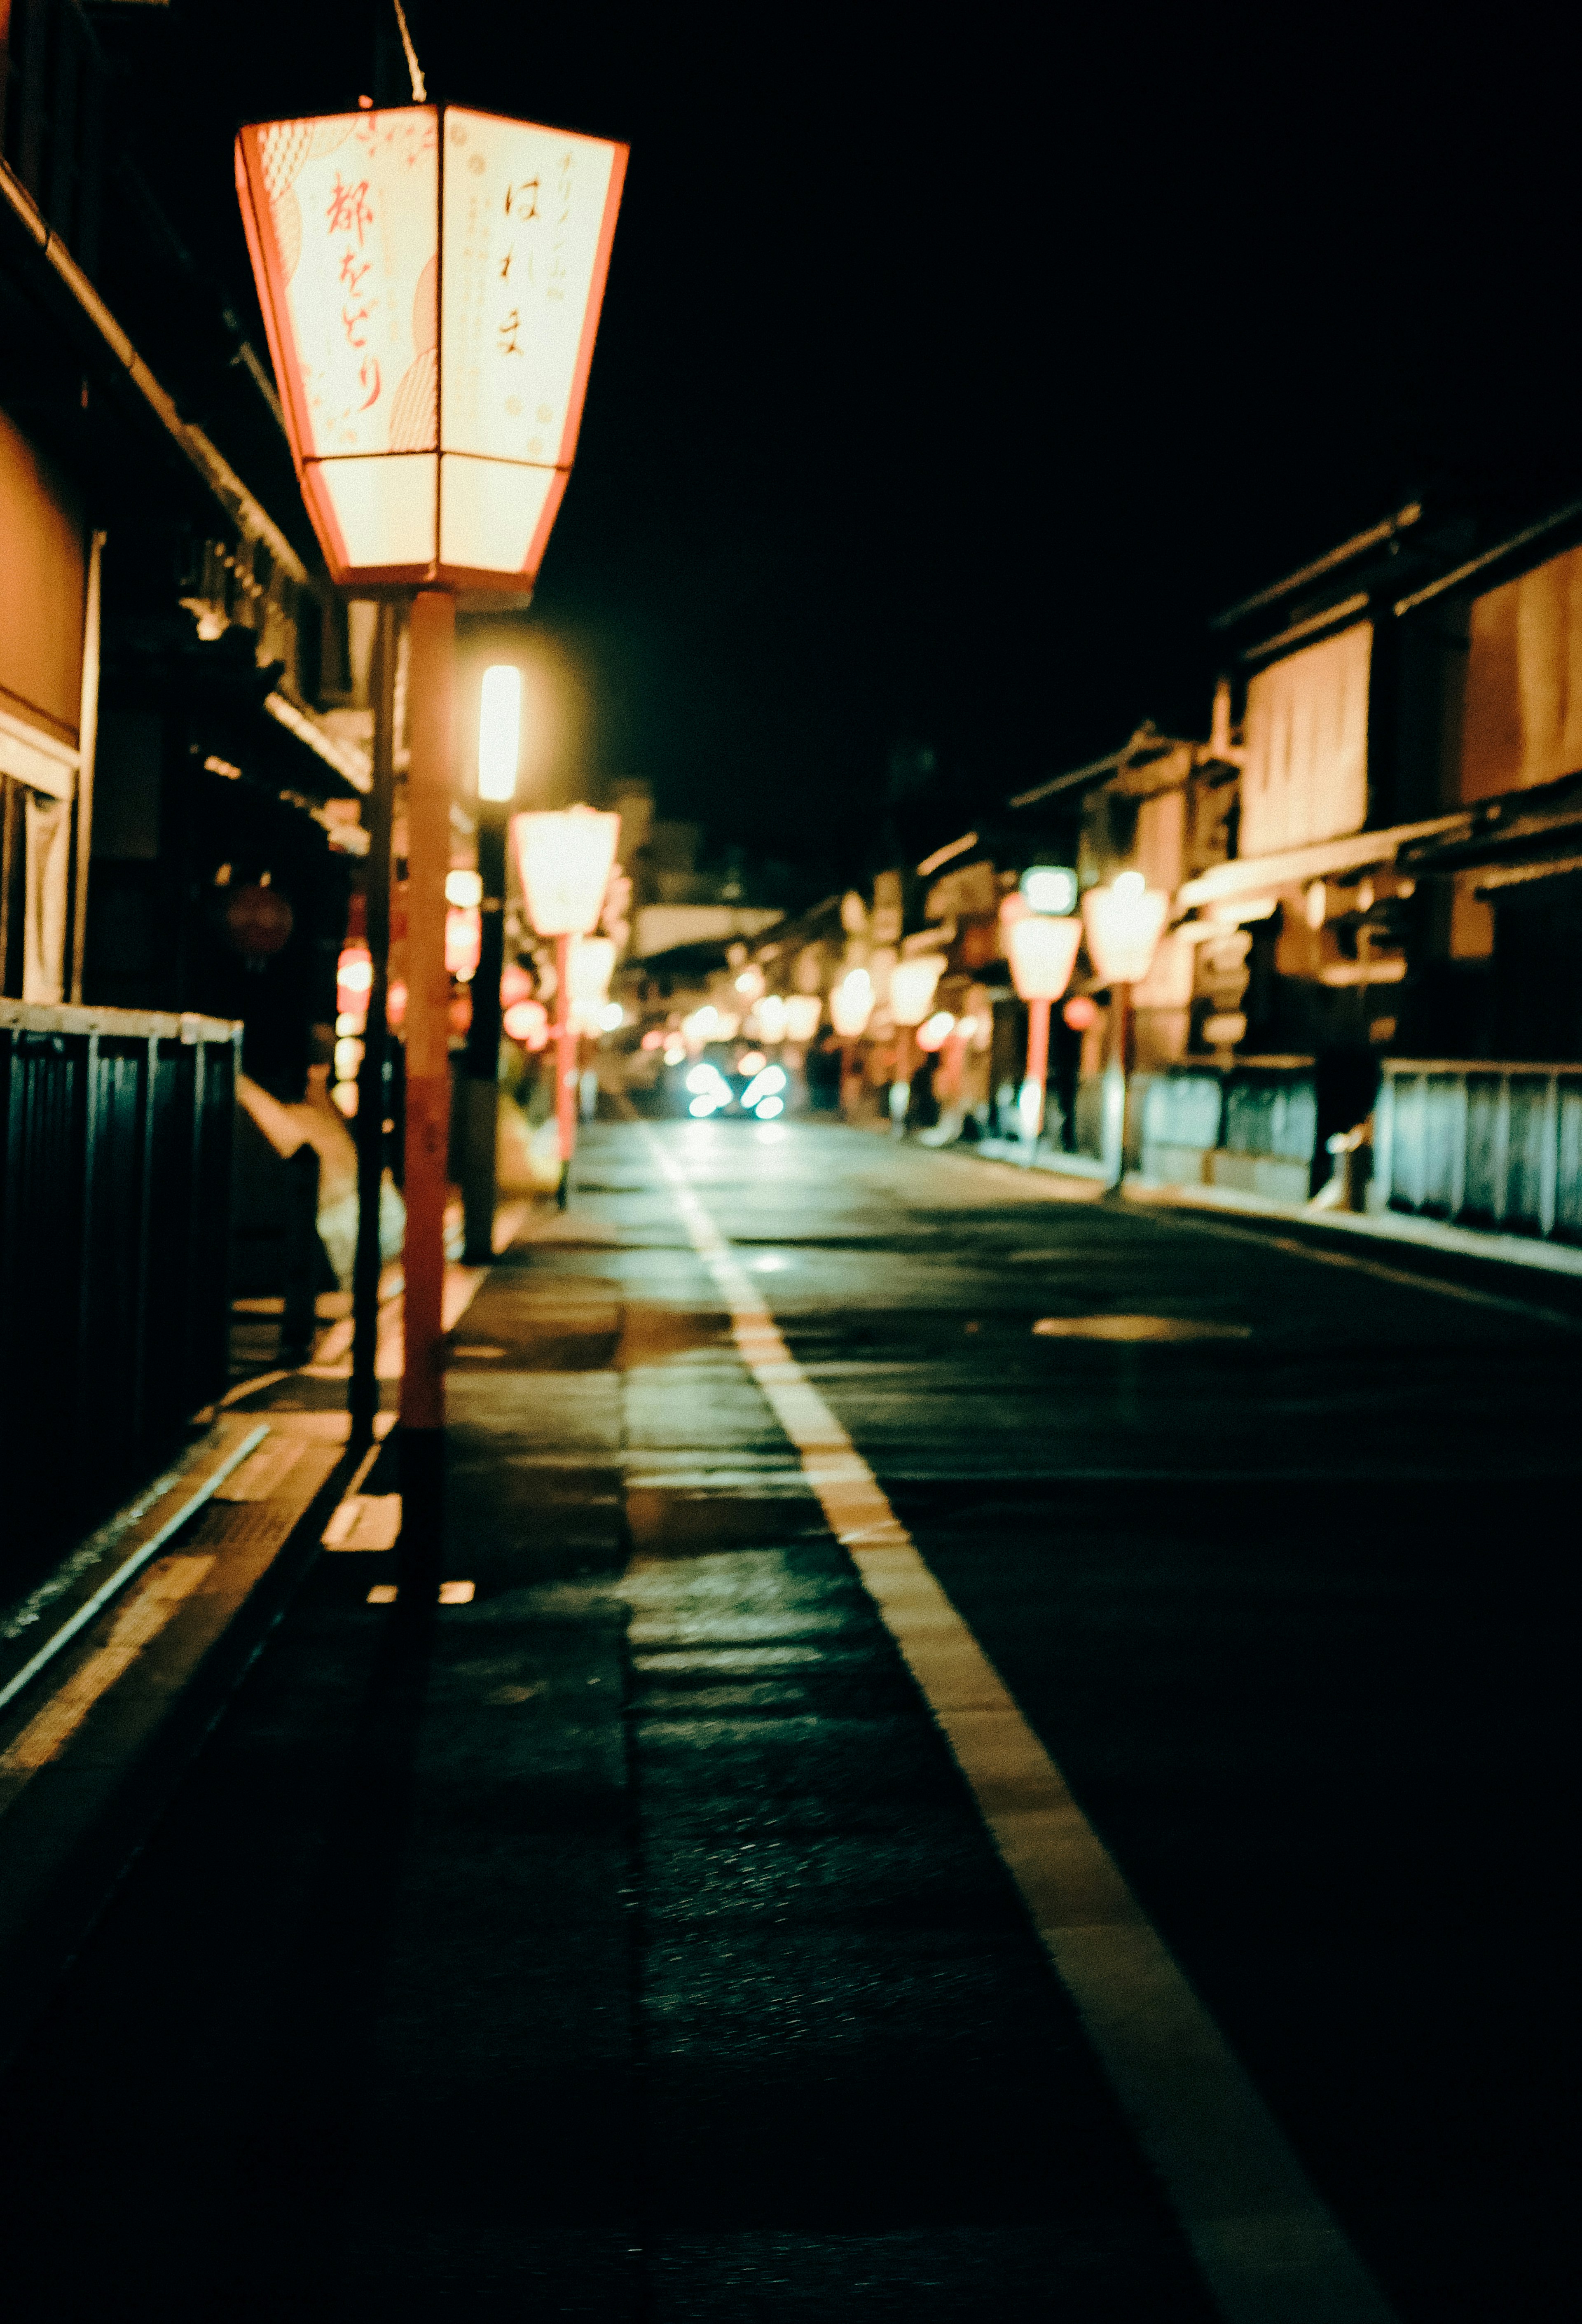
point(648, 1936)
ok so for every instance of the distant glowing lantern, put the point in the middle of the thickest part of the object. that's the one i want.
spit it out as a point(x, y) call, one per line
point(354, 981)
point(912, 987)
point(1042, 953)
point(527, 1021)
point(1125, 922)
point(588, 972)
point(463, 942)
point(770, 1018)
point(934, 1031)
point(566, 860)
point(802, 1012)
point(851, 1004)
point(516, 984)
point(464, 888)
point(430, 279)
point(1081, 1012)
point(499, 734)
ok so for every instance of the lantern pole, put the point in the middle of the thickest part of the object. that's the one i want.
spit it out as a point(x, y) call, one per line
point(1038, 1072)
point(363, 1396)
point(428, 1087)
point(1124, 1021)
point(481, 1084)
point(565, 1064)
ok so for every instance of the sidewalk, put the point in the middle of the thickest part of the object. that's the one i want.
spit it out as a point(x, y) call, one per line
point(616, 1939)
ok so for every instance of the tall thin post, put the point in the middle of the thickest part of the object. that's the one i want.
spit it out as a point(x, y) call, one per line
point(1037, 1074)
point(565, 1064)
point(363, 1398)
point(88, 731)
point(428, 1085)
point(1124, 1022)
point(481, 1084)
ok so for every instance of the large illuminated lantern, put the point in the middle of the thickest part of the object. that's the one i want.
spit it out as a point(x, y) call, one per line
point(430, 279)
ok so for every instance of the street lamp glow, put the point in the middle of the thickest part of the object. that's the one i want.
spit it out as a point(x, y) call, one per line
point(499, 732)
point(912, 987)
point(589, 968)
point(1042, 953)
point(851, 1004)
point(565, 860)
point(1125, 922)
point(802, 1012)
point(430, 279)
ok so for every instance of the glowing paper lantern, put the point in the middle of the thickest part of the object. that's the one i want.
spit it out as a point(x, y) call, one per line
point(565, 861)
point(464, 937)
point(802, 1012)
point(912, 987)
point(354, 981)
point(769, 1018)
point(430, 279)
point(851, 1004)
point(1042, 953)
point(589, 968)
point(935, 1031)
point(1125, 923)
point(527, 1021)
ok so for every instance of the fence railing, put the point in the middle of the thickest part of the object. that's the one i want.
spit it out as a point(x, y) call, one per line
point(115, 1130)
point(1251, 1125)
point(1481, 1145)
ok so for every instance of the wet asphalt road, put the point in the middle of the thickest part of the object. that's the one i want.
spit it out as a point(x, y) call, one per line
point(626, 1943)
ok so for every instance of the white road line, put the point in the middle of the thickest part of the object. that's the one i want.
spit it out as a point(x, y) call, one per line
point(1268, 2247)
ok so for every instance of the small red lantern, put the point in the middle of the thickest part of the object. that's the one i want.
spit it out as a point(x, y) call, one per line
point(258, 920)
point(1080, 1012)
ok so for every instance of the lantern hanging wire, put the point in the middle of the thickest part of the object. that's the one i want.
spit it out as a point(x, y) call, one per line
point(419, 87)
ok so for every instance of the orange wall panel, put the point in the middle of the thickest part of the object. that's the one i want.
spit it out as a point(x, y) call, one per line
point(1522, 720)
point(41, 587)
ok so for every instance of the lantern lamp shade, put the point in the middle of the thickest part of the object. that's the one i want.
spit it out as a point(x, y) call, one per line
point(851, 1004)
point(1042, 953)
point(769, 1018)
point(912, 987)
point(590, 964)
point(1123, 922)
point(430, 279)
point(565, 861)
point(802, 1012)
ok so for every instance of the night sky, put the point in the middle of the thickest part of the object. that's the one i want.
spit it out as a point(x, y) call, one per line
point(956, 368)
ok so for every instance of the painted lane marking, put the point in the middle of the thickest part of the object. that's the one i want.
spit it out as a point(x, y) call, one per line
point(1135, 1327)
point(1267, 2246)
point(47, 1733)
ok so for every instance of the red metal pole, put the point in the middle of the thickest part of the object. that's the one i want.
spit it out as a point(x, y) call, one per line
point(565, 1059)
point(1038, 1063)
point(428, 1085)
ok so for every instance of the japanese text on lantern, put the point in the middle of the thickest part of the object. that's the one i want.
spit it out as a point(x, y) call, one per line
point(349, 217)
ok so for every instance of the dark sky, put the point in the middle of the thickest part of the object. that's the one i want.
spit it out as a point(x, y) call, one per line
point(955, 368)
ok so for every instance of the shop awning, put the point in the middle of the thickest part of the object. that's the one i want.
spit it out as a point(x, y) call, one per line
point(1292, 867)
